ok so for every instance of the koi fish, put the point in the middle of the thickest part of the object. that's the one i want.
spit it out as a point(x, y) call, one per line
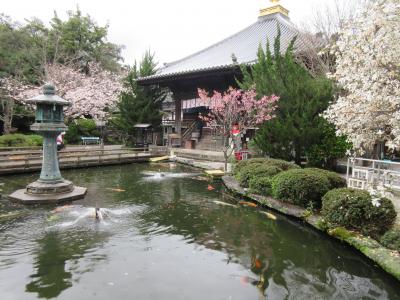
point(115, 190)
point(269, 215)
point(53, 218)
point(257, 263)
point(250, 204)
point(224, 203)
point(61, 208)
point(210, 187)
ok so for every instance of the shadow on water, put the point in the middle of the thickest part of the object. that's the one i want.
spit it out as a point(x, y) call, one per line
point(154, 228)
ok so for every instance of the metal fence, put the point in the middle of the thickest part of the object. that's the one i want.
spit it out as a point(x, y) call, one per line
point(363, 172)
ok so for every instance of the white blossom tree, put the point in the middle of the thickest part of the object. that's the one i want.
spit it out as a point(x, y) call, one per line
point(12, 91)
point(368, 71)
point(92, 95)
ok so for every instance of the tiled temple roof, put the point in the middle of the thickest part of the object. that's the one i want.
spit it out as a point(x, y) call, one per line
point(241, 46)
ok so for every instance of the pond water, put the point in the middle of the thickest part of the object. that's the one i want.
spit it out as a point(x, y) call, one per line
point(167, 236)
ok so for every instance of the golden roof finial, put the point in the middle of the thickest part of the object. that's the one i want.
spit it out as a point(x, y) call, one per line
point(276, 8)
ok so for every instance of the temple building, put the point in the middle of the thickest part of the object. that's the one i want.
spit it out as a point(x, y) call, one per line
point(215, 68)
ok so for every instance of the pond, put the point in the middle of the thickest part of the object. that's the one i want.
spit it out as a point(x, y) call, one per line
point(169, 235)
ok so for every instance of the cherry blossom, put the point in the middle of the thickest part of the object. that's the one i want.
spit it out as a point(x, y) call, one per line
point(239, 108)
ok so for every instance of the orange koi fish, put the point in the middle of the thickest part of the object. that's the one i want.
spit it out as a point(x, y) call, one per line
point(257, 263)
point(250, 204)
point(210, 187)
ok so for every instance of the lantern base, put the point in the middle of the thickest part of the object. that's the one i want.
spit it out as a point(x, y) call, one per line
point(50, 193)
point(45, 188)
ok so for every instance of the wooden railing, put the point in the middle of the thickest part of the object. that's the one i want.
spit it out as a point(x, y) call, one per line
point(32, 160)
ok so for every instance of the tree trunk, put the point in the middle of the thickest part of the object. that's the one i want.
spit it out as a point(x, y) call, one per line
point(8, 111)
point(297, 157)
point(226, 159)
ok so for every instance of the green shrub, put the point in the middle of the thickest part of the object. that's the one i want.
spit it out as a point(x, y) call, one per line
point(256, 170)
point(391, 239)
point(20, 140)
point(334, 179)
point(244, 163)
point(79, 128)
point(284, 165)
point(260, 185)
point(301, 187)
point(356, 210)
point(34, 140)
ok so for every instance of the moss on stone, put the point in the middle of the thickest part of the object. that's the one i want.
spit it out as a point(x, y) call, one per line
point(340, 233)
point(322, 225)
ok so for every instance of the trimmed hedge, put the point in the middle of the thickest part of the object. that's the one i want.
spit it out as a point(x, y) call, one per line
point(260, 185)
point(334, 179)
point(356, 210)
point(256, 170)
point(301, 187)
point(20, 140)
point(284, 165)
point(391, 239)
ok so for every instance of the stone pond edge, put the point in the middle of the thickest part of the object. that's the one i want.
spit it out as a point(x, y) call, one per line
point(388, 260)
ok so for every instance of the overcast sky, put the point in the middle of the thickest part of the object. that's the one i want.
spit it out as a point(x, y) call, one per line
point(171, 28)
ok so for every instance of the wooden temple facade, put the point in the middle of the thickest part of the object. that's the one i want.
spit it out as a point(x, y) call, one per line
point(215, 68)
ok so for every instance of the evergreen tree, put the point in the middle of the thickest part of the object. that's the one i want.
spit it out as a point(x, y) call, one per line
point(80, 40)
point(139, 104)
point(298, 124)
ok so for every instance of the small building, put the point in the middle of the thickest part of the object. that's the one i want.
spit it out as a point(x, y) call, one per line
point(143, 135)
point(216, 68)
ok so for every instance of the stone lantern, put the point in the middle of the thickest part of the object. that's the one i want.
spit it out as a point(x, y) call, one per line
point(50, 187)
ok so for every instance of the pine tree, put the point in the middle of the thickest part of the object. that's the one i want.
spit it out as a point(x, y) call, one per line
point(298, 124)
point(139, 104)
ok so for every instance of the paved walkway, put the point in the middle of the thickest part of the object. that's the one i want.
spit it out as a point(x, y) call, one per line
point(200, 155)
point(201, 164)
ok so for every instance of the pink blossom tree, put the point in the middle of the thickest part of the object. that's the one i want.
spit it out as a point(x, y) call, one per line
point(91, 95)
point(236, 108)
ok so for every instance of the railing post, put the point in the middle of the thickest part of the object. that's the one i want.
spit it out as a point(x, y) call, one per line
point(379, 171)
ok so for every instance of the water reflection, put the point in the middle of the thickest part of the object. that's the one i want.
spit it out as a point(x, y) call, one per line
point(174, 239)
point(57, 257)
point(50, 278)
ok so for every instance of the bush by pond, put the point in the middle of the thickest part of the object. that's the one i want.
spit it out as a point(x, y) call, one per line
point(335, 180)
point(391, 239)
point(300, 187)
point(284, 165)
point(256, 171)
point(20, 140)
point(357, 210)
point(260, 185)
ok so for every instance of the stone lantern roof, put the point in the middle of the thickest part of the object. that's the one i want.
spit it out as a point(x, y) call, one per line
point(49, 97)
